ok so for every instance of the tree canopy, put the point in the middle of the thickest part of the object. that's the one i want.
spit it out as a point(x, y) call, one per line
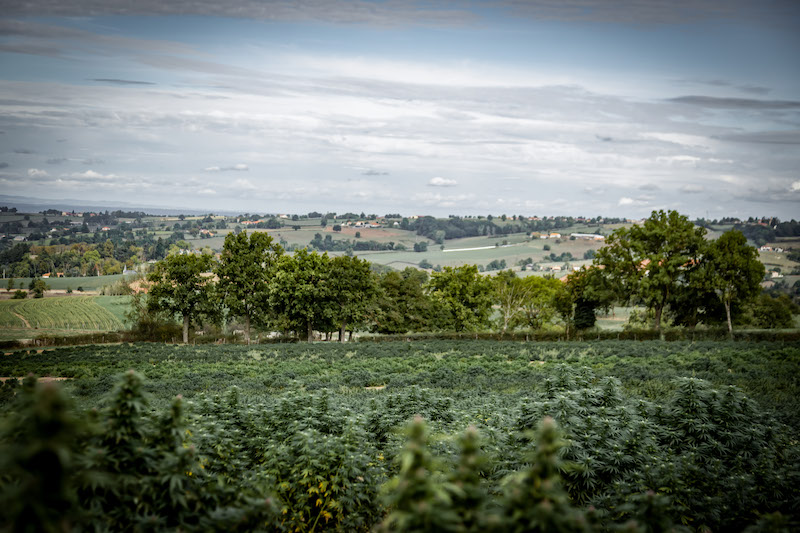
point(179, 287)
point(245, 268)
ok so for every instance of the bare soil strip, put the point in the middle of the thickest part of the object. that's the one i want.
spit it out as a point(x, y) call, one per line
point(24, 320)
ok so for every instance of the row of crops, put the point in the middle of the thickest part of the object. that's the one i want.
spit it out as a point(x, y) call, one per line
point(308, 437)
point(73, 313)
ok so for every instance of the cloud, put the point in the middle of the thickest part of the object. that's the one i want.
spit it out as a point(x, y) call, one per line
point(746, 88)
point(330, 11)
point(91, 175)
point(121, 82)
point(764, 137)
point(640, 201)
point(56, 160)
point(243, 185)
point(3, 164)
point(604, 139)
point(649, 187)
point(36, 173)
point(442, 182)
point(794, 187)
point(24, 151)
point(714, 102)
point(207, 192)
point(239, 167)
point(372, 172)
point(692, 189)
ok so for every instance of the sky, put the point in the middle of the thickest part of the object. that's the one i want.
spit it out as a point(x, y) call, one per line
point(556, 107)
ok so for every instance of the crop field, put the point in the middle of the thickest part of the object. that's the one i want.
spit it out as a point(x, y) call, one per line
point(710, 428)
point(483, 250)
point(74, 313)
point(87, 283)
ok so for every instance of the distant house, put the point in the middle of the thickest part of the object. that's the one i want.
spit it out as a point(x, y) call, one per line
point(46, 275)
point(105, 228)
point(554, 235)
point(765, 249)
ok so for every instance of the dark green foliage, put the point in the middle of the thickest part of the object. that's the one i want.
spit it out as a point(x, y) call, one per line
point(771, 312)
point(534, 499)
point(650, 436)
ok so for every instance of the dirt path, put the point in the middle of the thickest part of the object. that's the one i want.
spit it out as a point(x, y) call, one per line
point(27, 324)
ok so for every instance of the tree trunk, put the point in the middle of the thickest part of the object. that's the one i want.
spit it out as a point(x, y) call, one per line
point(342, 331)
point(310, 332)
point(185, 329)
point(728, 313)
point(658, 321)
point(247, 328)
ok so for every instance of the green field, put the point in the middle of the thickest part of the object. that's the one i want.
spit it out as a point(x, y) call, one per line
point(88, 283)
point(34, 317)
point(710, 429)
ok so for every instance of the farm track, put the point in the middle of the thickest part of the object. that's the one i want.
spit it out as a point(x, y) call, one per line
point(24, 321)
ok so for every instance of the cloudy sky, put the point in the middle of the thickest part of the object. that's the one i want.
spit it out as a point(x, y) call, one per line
point(575, 107)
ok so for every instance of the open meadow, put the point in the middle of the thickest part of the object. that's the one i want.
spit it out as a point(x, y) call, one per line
point(711, 428)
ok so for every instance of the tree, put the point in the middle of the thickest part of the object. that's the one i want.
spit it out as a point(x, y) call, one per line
point(510, 293)
point(733, 270)
point(179, 287)
point(337, 227)
point(10, 285)
point(648, 261)
point(244, 271)
point(538, 306)
point(583, 292)
point(38, 287)
point(403, 305)
point(353, 289)
point(300, 290)
point(464, 294)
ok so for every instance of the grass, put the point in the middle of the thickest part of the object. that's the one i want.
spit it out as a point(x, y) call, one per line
point(34, 317)
point(89, 283)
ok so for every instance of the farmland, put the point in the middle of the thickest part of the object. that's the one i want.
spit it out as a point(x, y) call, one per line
point(708, 427)
point(56, 316)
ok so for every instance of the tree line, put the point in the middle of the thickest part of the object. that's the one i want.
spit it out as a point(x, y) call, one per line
point(665, 265)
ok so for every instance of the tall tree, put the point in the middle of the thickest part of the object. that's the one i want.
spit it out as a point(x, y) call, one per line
point(182, 285)
point(403, 305)
point(647, 261)
point(510, 293)
point(246, 266)
point(538, 306)
point(734, 270)
point(300, 290)
point(464, 294)
point(353, 288)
